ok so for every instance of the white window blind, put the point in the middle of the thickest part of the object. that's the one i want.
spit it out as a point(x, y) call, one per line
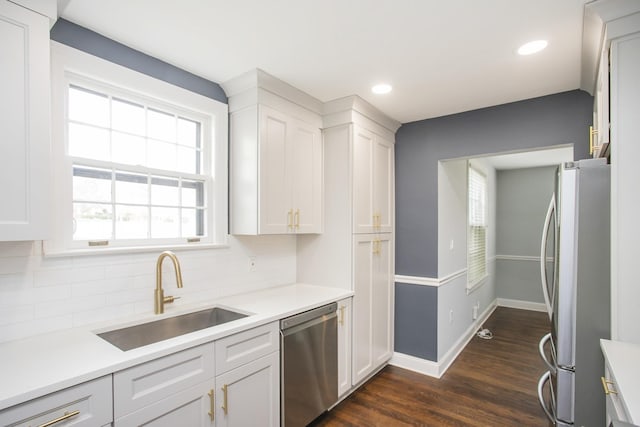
point(477, 228)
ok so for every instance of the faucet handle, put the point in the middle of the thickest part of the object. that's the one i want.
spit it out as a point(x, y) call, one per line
point(170, 298)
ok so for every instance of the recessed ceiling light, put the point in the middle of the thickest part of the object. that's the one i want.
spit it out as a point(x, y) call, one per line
point(381, 89)
point(532, 47)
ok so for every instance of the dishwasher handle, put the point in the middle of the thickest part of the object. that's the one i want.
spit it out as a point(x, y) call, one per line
point(308, 324)
point(306, 316)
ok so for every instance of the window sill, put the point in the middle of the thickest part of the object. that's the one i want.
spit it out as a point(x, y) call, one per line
point(97, 251)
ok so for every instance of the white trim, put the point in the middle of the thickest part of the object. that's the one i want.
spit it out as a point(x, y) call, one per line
point(416, 280)
point(429, 281)
point(437, 369)
point(523, 305)
point(415, 364)
point(521, 258)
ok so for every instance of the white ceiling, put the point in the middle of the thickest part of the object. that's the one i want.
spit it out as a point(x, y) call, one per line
point(441, 57)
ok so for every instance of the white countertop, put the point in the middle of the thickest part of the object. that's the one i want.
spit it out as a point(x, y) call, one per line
point(624, 362)
point(42, 364)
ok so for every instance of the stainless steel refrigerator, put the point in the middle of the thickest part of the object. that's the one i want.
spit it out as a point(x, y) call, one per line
point(575, 273)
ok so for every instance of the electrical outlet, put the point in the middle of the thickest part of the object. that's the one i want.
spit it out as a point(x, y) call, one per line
point(451, 315)
point(451, 245)
point(475, 312)
point(252, 263)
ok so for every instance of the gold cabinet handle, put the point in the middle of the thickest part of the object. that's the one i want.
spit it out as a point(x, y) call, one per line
point(225, 406)
point(341, 320)
point(66, 416)
point(212, 405)
point(297, 219)
point(592, 133)
point(290, 219)
point(376, 247)
point(605, 385)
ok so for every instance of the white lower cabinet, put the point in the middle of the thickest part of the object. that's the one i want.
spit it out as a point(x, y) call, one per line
point(372, 303)
point(250, 395)
point(234, 381)
point(344, 346)
point(85, 405)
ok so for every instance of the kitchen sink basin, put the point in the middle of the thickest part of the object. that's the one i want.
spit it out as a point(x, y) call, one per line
point(159, 330)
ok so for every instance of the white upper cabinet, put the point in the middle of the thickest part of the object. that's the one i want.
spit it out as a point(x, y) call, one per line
point(24, 123)
point(290, 164)
point(372, 182)
point(276, 164)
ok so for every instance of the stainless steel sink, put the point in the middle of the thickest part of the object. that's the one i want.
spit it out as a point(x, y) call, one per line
point(159, 330)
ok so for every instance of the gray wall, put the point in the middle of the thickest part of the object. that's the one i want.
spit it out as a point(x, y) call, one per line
point(95, 44)
point(523, 198)
point(540, 122)
point(419, 317)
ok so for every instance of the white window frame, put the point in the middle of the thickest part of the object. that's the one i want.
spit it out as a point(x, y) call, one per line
point(476, 260)
point(71, 66)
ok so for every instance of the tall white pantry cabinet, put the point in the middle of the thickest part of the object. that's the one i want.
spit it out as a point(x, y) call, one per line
point(356, 250)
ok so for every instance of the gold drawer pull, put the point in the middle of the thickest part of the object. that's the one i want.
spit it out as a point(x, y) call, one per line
point(212, 405)
point(225, 406)
point(297, 219)
point(341, 321)
point(66, 416)
point(605, 385)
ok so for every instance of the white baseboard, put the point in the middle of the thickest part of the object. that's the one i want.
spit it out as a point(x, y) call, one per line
point(416, 364)
point(437, 369)
point(523, 305)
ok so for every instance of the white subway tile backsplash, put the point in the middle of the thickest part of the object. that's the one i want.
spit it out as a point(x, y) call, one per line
point(15, 314)
point(67, 276)
point(103, 314)
point(40, 294)
point(35, 327)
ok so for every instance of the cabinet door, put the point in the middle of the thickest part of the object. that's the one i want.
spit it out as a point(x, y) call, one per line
point(250, 395)
point(372, 319)
point(372, 182)
point(344, 346)
point(275, 210)
point(382, 299)
point(307, 179)
point(24, 123)
point(382, 191)
point(191, 407)
point(363, 141)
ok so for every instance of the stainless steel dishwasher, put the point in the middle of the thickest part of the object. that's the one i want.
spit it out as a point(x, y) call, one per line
point(309, 363)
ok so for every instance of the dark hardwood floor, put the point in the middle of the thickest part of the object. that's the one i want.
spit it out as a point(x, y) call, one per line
point(492, 383)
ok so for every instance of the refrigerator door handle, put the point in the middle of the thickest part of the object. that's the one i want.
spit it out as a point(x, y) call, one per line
point(544, 379)
point(543, 341)
point(543, 255)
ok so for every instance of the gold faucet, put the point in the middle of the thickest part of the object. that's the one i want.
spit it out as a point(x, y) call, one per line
point(160, 300)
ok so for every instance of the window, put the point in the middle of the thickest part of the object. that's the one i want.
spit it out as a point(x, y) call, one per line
point(477, 227)
point(142, 167)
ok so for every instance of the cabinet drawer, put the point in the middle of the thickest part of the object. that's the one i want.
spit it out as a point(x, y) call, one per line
point(150, 382)
point(236, 350)
point(191, 407)
point(91, 401)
